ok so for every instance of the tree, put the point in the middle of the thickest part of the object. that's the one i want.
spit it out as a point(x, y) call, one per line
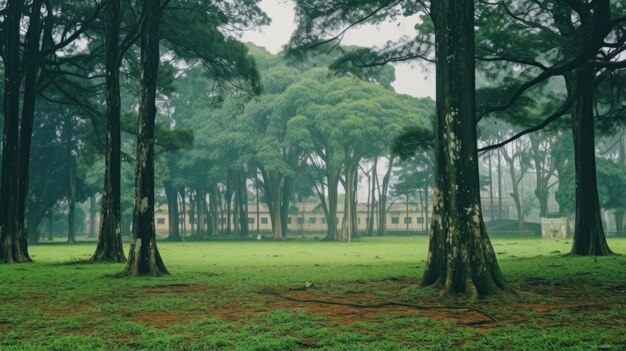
point(41, 42)
point(583, 46)
point(109, 246)
point(461, 258)
point(144, 257)
point(13, 244)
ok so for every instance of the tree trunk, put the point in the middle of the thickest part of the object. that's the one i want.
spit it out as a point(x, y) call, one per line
point(273, 184)
point(183, 195)
point(426, 207)
point(331, 221)
point(71, 180)
point(589, 237)
point(348, 229)
point(50, 217)
point(109, 248)
point(500, 214)
point(144, 257)
point(13, 247)
point(461, 259)
point(31, 67)
point(284, 204)
point(172, 213)
point(93, 213)
point(214, 209)
point(382, 200)
point(491, 203)
point(619, 221)
point(242, 202)
point(515, 180)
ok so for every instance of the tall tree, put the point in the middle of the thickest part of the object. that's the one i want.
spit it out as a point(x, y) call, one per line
point(461, 258)
point(13, 247)
point(144, 257)
point(109, 246)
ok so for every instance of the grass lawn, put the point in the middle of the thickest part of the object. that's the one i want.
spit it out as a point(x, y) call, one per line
point(251, 296)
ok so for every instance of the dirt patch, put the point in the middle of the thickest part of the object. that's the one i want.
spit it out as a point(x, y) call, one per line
point(84, 331)
point(67, 310)
point(5, 327)
point(160, 319)
point(233, 312)
point(348, 315)
point(173, 288)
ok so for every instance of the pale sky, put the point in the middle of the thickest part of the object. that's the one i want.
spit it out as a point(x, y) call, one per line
point(411, 78)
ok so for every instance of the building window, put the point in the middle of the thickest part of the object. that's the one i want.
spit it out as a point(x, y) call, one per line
point(263, 220)
point(300, 220)
point(288, 220)
point(250, 220)
point(323, 220)
point(395, 220)
point(407, 220)
point(312, 220)
point(160, 220)
point(420, 220)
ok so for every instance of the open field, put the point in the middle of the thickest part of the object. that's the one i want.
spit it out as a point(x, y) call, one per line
point(251, 296)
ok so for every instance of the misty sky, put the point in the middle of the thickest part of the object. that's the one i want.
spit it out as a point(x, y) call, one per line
point(411, 78)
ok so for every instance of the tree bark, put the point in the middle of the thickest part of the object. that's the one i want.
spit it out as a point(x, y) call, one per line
point(382, 200)
point(13, 246)
point(500, 214)
point(93, 212)
point(331, 221)
point(144, 257)
point(172, 213)
point(71, 181)
point(461, 259)
point(31, 67)
point(589, 237)
point(109, 248)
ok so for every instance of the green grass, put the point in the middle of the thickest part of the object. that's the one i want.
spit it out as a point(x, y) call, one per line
point(225, 296)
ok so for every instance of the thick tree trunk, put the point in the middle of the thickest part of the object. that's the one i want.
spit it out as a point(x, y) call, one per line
point(109, 248)
point(461, 259)
point(589, 237)
point(144, 257)
point(31, 67)
point(13, 246)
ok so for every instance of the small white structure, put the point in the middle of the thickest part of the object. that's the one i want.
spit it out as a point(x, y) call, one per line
point(555, 228)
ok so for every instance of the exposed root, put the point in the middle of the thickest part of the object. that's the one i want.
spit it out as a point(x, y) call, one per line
point(385, 304)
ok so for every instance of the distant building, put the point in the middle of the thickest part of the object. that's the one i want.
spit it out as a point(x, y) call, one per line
point(307, 217)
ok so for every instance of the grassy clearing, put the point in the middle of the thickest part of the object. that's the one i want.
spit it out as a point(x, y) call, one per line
point(248, 296)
